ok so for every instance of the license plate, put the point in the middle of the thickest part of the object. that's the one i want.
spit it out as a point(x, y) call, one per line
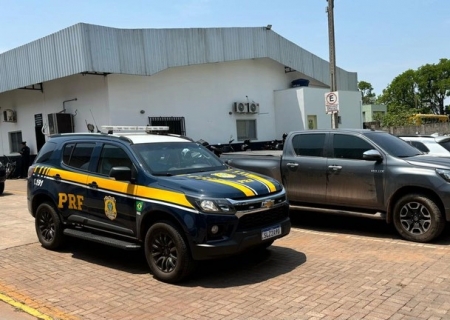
point(270, 232)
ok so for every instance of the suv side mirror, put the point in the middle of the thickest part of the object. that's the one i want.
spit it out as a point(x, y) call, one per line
point(372, 155)
point(120, 173)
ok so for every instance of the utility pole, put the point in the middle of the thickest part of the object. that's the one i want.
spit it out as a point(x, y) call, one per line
point(333, 87)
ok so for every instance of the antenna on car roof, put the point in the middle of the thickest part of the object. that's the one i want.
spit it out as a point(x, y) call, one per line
point(98, 131)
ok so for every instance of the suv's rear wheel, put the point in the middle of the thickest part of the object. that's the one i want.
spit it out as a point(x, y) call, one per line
point(2, 187)
point(48, 226)
point(418, 218)
point(167, 253)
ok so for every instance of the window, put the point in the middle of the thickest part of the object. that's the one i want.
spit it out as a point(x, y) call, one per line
point(45, 153)
point(176, 124)
point(15, 138)
point(309, 144)
point(246, 129)
point(77, 155)
point(112, 156)
point(419, 145)
point(349, 147)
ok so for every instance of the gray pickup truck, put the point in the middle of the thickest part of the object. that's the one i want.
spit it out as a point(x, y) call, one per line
point(359, 172)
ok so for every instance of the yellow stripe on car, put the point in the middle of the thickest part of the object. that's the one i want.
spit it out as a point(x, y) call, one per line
point(262, 180)
point(245, 189)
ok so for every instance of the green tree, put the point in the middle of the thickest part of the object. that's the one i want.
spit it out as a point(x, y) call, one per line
point(433, 82)
point(423, 90)
point(367, 96)
point(396, 116)
point(401, 92)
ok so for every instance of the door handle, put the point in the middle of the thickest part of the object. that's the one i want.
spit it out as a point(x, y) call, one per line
point(292, 164)
point(93, 185)
point(335, 168)
point(57, 177)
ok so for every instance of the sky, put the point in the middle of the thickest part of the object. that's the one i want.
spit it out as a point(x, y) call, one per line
point(378, 39)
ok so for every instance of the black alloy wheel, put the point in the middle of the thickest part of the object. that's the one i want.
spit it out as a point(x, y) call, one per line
point(418, 218)
point(48, 226)
point(167, 253)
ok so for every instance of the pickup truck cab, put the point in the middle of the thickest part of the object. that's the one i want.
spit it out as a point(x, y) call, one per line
point(359, 172)
point(163, 193)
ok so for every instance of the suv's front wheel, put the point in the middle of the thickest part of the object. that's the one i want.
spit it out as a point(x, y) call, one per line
point(418, 218)
point(48, 226)
point(167, 253)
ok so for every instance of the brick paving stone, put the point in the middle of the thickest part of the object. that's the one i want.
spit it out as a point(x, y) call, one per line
point(309, 274)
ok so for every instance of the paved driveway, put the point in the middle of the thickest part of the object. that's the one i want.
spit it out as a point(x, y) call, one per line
point(327, 268)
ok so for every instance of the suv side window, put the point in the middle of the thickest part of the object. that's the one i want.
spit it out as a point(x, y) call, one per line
point(78, 155)
point(349, 147)
point(309, 144)
point(112, 156)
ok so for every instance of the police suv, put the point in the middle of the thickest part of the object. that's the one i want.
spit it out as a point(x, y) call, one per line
point(166, 194)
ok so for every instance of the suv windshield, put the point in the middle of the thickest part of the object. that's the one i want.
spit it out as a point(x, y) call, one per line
point(177, 158)
point(393, 145)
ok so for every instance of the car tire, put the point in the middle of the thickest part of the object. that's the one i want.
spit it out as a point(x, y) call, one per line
point(418, 218)
point(167, 253)
point(49, 228)
point(2, 187)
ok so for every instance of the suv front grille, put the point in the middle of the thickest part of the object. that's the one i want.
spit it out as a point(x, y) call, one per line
point(262, 218)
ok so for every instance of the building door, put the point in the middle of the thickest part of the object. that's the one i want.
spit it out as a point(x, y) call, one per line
point(40, 137)
point(312, 122)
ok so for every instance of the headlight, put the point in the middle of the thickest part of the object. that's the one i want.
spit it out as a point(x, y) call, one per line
point(444, 174)
point(213, 205)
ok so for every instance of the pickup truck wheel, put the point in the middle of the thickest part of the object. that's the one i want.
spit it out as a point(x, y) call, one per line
point(167, 253)
point(418, 218)
point(48, 227)
point(2, 187)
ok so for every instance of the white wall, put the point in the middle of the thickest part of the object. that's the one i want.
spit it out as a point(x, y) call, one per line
point(294, 105)
point(89, 90)
point(204, 95)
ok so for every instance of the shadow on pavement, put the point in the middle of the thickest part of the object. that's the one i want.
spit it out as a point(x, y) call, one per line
point(358, 226)
point(251, 267)
point(248, 268)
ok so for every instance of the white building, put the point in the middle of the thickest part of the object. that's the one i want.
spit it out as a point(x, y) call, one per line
point(193, 78)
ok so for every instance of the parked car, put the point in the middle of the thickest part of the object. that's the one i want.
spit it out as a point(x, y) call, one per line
point(163, 193)
point(2, 177)
point(359, 172)
point(438, 146)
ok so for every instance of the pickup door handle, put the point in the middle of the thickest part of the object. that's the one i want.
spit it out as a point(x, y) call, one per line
point(335, 168)
point(93, 185)
point(292, 164)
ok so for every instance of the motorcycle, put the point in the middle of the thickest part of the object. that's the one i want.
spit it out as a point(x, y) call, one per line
point(10, 167)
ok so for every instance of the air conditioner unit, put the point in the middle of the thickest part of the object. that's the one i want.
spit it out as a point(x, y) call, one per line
point(60, 123)
point(9, 116)
point(240, 107)
point(253, 107)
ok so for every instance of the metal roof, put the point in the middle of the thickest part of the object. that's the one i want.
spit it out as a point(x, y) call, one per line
point(96, 49)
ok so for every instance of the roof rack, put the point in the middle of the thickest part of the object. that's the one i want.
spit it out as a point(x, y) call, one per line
point(148, 129)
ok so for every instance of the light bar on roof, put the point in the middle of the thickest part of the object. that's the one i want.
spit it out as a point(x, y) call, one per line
point(147, 129)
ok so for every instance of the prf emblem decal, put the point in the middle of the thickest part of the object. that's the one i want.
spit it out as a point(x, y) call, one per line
point(223, 175)
point(268, 204)
point(110, 207)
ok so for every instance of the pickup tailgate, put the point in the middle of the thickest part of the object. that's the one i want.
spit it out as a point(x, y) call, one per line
point(265, 162)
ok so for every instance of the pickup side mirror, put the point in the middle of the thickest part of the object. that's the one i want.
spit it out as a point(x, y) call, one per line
point(372, 155)
point(120, 173)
